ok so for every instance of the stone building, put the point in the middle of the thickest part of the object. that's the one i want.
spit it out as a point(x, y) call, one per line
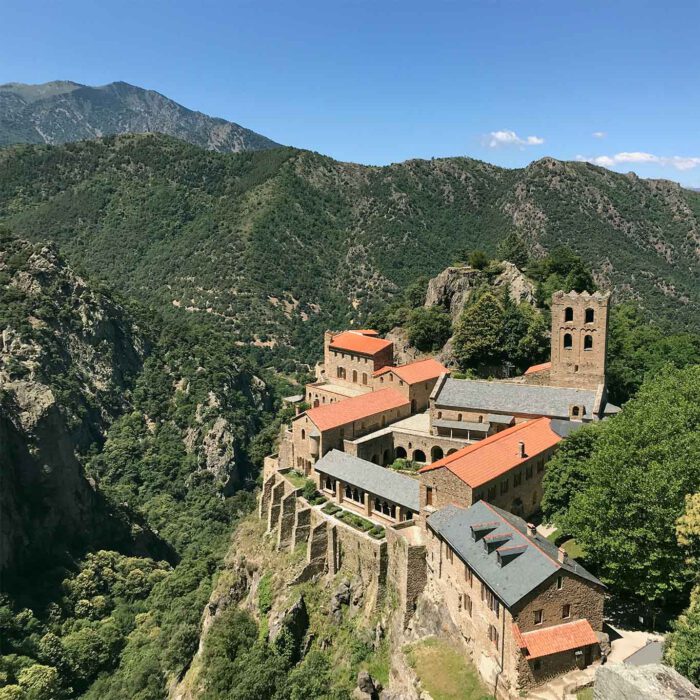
point(321, 429)
point(414, 380)
point(377, 493)
point(505, 469)
point(526, 610)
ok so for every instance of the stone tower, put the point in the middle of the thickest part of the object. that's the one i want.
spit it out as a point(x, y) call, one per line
point(579, 339)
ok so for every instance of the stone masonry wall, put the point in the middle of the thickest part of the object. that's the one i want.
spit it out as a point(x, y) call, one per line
point(407, 569)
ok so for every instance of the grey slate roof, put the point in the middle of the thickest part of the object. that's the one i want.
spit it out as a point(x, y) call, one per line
point(564, 428)
point(461, 425)
point(512, 581)
point(368, 476)
point(497, 418)
point(509, 397)
point(651, 653)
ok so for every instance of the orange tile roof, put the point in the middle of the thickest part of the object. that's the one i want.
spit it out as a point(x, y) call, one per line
point(415, 372)
point(538, 368)
point(363, 342)
point(553, 640)
point(488, 459)
point(333, 415)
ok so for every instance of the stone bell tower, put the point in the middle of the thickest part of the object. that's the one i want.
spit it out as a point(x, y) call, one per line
point(579, 339)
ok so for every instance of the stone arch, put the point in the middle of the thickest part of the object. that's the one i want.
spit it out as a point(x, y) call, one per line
point(419, 456)
point(386, 457)
point(436, 453)
point(401, 453)
point(568, 341)
point(568, 314)
point(588, 342)
point(452, 451)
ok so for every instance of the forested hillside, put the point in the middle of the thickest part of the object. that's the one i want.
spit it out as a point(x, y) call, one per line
point(279, 244)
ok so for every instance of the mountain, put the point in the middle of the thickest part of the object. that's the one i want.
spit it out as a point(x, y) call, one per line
point(63, 111)
point(278, 244)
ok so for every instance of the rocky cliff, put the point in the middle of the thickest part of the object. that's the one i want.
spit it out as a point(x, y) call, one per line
point(68, 357)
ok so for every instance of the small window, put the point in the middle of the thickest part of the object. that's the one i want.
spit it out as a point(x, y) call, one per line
point(568, 341)
point(539, 616)
point(560, 582)
point(566, 611)
point(468, 575)
point(568, 314)
point(303, 434)
point(517, 479)
point(493, 635)
point(574, 411)
point(449, 554)
point(354, 376)
point(364, 378)
point(468, 604)
point(590, 315)
point(429, 496)
point(588, 342)
point(528, 471)
point(481, 419)
point(540, 466)
point(439, 415)
point(504, 486)
point(537, 664)
point(492, 493)
point(459, 416)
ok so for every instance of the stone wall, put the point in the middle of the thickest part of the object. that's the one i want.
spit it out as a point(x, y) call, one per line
point(585, 598)
point(407, 569)
point(446, 488)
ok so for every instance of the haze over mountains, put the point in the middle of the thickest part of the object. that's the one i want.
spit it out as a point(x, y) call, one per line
point(63, 111)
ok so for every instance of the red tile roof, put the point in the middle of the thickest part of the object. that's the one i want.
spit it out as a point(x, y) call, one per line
point(415, 372)
point(363, 342)
point(488, 459)
point(553, 640)
point(333, 415)
point(538, 368)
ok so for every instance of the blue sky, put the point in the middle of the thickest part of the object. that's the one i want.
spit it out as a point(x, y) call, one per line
point(507, 81)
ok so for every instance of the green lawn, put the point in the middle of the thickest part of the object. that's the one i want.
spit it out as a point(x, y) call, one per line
point(297, 479)
point(445, 671)
point(572, 548)
point(585, 694)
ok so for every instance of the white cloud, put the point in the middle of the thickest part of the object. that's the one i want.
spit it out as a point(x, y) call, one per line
point(510, 138)
point(599, 134)
point(677, 162)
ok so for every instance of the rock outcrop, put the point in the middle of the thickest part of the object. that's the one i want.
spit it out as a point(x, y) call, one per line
point(68, 357)
point(452, 287)
point(650, 682)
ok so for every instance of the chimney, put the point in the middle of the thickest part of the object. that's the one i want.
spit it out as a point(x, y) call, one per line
point(561, 555)
point(521, 449)
point(531, 530)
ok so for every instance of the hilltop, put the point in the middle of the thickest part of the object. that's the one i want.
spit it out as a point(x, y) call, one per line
point(278, 244)
point(62, 111)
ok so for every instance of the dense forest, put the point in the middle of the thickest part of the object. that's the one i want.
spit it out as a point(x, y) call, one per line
point(280, 244)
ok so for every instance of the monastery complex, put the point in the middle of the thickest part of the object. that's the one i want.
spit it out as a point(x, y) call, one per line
point(456, 527)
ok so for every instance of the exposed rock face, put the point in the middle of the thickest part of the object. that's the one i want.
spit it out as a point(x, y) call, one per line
point(651, 682)
point(68, 354)
point(63, 111)
point(452, 287)
point(295, 621)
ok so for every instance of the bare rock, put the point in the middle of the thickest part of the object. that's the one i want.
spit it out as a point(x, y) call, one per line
point(650, 682)
point(295, 621)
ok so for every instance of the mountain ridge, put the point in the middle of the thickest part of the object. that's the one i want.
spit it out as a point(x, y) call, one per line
point(63, 111)
point(279, 243)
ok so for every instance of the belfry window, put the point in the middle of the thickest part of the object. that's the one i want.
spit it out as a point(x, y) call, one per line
point(590, 315)
point(588, 342)
point(568, 341)
point(568, 314)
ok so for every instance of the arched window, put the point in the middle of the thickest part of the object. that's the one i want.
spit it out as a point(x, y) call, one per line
point(419, 456)
point(452, 451)
point(436, 453)
point(568, 342)
point(354, 376)
point(364, 378)
point(481, 419)
point(400, 453)
point(386, 457)
point(439, 415)
point(303, 434)
point(459, 416)
point(588, 342)
point(590, 315)
point(568, 314)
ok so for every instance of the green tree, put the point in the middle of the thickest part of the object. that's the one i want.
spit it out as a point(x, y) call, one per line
point(643, 464)
point(513, 249)
point(566, 473)
point(428, 328)
point(478, 337)
point(40, 682)
point(478, 259)
point(682, 647)
point(311, 678)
